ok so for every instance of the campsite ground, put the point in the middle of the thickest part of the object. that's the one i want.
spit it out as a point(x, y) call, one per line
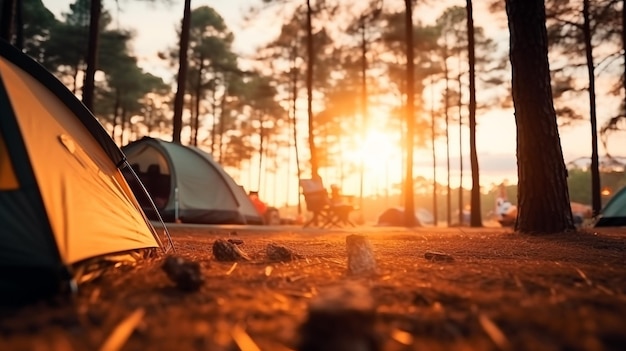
point(502, 291)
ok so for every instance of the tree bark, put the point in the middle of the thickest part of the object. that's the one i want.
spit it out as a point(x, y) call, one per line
point(309, 89)
point(476, 213)
point(460, 107)
point(624, 53)
point(19, 25)
point(433, 137)
point(294, 120)
point(446, 108)
point(182, 73)
point(596, 202)
point(409, 206)
point(92, 53)
point(543, 199)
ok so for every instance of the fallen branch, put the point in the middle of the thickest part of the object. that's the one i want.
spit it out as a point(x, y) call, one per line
point(232, 268)
point(243, 340)
point(123, 331)
point(492, 330)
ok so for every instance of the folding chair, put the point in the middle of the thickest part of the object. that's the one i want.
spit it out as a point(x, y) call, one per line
point(340, 213)
point(317, 202)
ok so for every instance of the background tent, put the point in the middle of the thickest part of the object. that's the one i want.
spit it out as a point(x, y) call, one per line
point(186, 183)
point(614, 213)
point(394, 217)
point(64, 203)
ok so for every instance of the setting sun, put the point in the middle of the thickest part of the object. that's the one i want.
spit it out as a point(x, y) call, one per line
point(380, 153)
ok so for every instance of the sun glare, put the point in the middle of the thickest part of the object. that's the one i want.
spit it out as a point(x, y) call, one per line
point(380, 153)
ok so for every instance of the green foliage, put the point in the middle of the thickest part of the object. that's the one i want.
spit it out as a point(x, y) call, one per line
point(38, 22)
point(565, 36)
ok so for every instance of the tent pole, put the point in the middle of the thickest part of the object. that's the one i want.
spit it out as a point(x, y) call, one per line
point(176, 202)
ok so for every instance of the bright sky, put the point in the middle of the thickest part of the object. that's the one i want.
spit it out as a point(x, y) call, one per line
point(155, 26)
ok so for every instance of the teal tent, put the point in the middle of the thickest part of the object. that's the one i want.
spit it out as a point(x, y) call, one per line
point(614, 212)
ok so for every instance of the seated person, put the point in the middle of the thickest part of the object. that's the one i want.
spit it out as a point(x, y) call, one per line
point(339, 204)
point(260, 206)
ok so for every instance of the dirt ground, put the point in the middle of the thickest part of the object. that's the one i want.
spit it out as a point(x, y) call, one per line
point(501, 291)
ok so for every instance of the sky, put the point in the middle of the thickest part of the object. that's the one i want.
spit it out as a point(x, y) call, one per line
point(155, 27)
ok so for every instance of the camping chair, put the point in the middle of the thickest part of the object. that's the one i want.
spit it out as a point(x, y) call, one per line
point(317, 202)
point(340, 212)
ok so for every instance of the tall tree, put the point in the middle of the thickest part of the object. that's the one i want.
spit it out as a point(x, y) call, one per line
point(409, 205)
point(181, 78)
point(309, 89)
point(596, 201)
point(92, 53)
point(475, 216)
point(541, 169)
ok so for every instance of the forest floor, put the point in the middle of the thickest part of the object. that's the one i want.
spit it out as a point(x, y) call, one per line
point(492, 290)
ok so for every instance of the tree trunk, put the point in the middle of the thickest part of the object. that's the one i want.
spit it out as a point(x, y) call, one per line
point(543, 199)
point(192, 119)
point(624, 51)
point(446, 107)
point(215, 121)
point(123, 125)
point(196, 120)
point(294, 120)
point(596, 202)
point(309, 89)
point(364, 117)
point(19, 25)
point(476, 213)
point(261, 150)
point(7, 20)
point(409, 206)
point(433, 137)
point(460, 107)
point(182, 73)
point(92, 53)
point(116, 108)
point(222, 119)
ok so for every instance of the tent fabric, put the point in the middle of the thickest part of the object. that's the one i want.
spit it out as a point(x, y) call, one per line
point(614, 212)
point(394, 216)
point(187, 184)
point(63, 199)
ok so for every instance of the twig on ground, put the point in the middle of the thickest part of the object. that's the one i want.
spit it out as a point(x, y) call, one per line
point(296, 278)
point(584, 276)
point(402, 337)
point(243, 340)
point(122, 332)
point(232, 268)
point(306, 295)
point(604, 289)
point(492, 330)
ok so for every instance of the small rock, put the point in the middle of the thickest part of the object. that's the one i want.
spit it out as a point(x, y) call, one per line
point(341, 318)
point(227, 251)
point(438, 256)
point(184, 273)
point(280, 253)
point(360, 255)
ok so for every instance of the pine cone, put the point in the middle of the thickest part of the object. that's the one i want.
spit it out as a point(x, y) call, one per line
point(224, 250)
point(186, 274)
